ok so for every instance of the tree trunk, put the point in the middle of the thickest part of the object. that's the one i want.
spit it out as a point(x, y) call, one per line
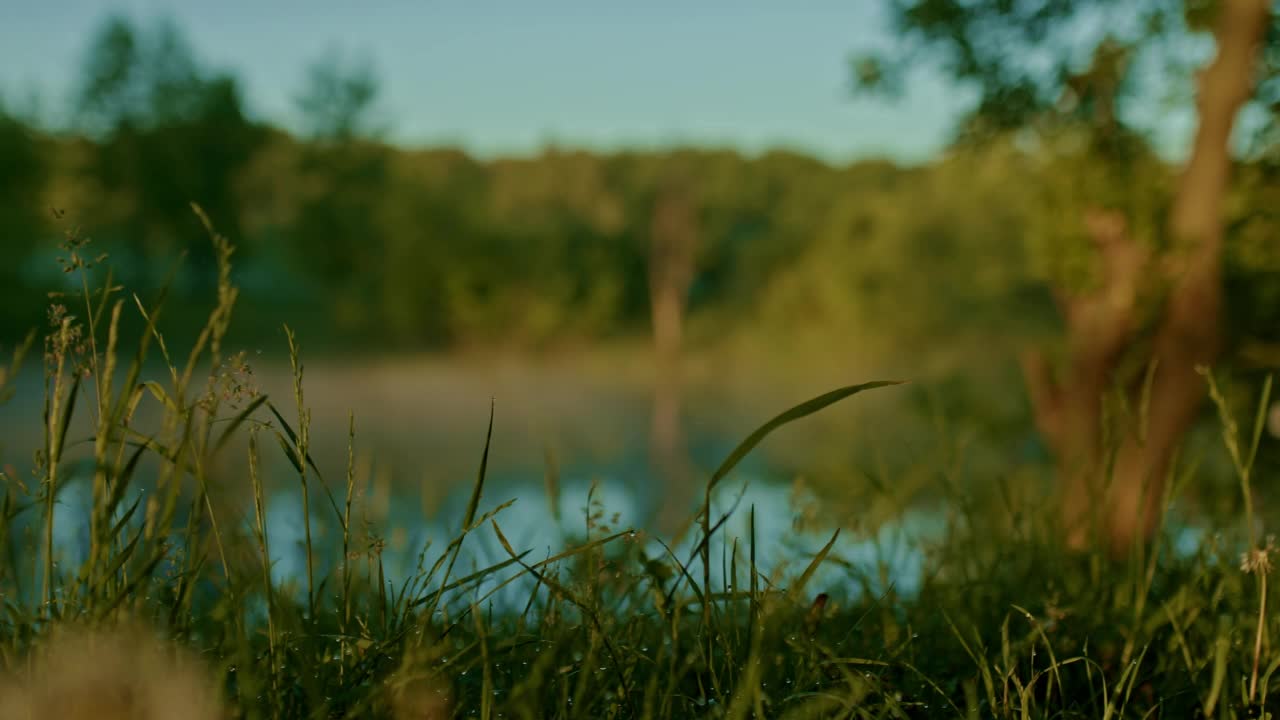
point(673, 236)
point(1102, 325)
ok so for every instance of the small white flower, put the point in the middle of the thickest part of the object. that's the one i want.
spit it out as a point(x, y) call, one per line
point(1258, 560)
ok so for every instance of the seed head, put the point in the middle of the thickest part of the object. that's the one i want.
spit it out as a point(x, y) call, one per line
point(1258, 560)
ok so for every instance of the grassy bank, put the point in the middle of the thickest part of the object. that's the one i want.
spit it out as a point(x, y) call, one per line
point(166, 605)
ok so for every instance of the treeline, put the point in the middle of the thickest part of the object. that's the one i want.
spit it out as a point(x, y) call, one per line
point(429, 248)
point(433, 247)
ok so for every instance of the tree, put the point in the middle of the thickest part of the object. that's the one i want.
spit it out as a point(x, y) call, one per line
point(169, 133)
point(337, 100)
point(1155, 304)
point(337, 235)
point(24, 223)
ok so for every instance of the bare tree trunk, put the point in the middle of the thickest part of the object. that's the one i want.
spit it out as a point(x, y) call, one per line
point(671, 259)
point(1101, 325)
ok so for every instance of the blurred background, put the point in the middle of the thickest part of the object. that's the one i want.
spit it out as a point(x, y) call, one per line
point(640, 229)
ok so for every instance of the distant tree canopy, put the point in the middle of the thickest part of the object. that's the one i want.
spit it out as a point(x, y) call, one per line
point(424, 248)
point(413, 248)
point(168, 133)
point(337, 102)
point(23, 176)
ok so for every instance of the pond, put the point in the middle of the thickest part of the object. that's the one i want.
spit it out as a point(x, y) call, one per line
point(420, 428)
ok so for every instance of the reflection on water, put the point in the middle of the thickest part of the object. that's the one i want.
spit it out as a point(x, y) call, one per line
point(421, 423)
point(893, 556)
point(418, 520)
point(414, 525)
point(530, 523)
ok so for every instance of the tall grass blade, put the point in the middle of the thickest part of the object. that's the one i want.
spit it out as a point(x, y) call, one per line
point(235, 422)
point(802, 410)
point(812, 568)
point(473, 505)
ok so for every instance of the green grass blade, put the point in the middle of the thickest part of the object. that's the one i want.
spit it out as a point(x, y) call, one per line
point(802, 410)
point(472, 505)
point(237, 421)
point(67, 413)
point(293, 438)
point(813, 565)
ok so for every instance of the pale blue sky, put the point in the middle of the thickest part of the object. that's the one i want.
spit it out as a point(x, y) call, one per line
point(509, 77)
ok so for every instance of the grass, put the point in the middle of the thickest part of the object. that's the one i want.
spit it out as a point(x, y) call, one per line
point(173, 610)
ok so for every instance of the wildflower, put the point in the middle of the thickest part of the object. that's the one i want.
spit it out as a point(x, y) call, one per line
point(1258, 560)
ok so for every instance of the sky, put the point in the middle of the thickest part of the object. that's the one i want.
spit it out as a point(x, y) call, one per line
point(510, 78)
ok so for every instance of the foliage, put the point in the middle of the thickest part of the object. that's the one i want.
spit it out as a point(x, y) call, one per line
point(22, 177)
point(338, 99)
point(1084, 83)
point(170, 132)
